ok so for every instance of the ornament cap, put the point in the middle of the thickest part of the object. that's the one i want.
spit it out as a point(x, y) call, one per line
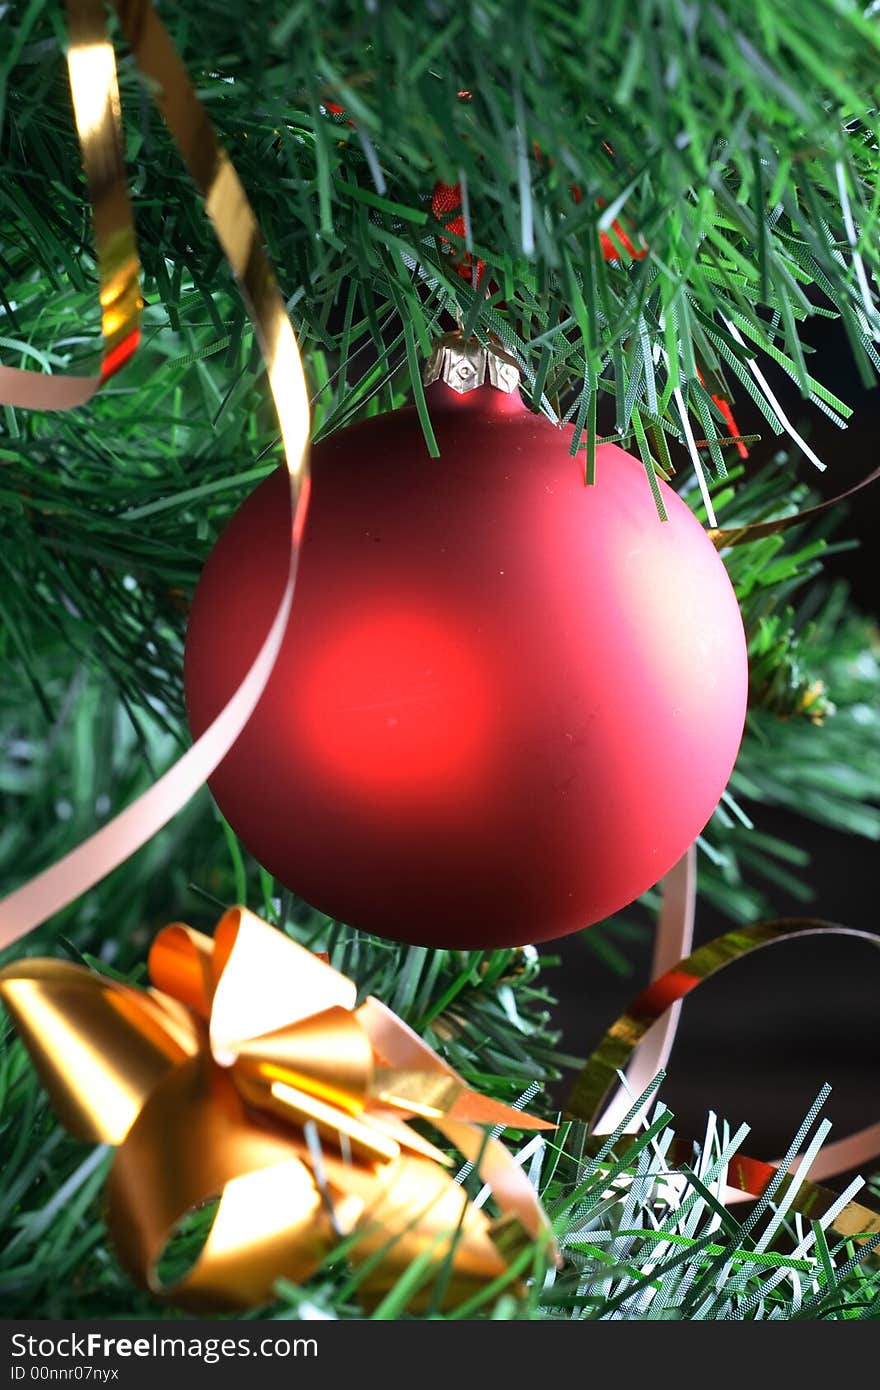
point(465, 365)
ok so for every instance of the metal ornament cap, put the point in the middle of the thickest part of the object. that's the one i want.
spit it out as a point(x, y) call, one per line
point(465, 365)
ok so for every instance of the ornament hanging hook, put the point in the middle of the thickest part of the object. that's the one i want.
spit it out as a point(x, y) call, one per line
point(465, 364)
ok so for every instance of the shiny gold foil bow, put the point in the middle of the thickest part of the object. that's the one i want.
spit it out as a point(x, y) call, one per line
point(247, 1073)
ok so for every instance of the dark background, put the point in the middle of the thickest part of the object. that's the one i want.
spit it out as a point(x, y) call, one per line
point(758, 1042)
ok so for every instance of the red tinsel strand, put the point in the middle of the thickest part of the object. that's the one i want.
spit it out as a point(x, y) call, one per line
point(727, 414)
point(724, 407)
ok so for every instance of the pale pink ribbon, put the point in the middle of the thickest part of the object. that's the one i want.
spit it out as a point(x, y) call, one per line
point(92, 69)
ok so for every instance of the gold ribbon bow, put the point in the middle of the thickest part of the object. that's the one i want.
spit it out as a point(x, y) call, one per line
point(247, 1073)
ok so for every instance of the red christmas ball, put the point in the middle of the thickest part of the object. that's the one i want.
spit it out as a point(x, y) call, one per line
point(506, 702)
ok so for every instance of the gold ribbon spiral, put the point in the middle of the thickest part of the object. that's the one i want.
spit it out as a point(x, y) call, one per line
point(638, 1044)
point(92, 69)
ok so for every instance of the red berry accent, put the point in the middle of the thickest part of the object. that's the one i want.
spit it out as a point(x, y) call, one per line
point(446, 199)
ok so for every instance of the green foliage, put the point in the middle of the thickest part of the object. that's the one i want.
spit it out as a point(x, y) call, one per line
point(812, 740)
point(734, 143)
point(639, 1239)
point(648, 1242)
point(731, 142)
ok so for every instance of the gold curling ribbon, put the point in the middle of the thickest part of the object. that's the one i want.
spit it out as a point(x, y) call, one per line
point(648, 1027)
point(247, 1073)
point(92, 69)
point(723, 536)
point(95, 93)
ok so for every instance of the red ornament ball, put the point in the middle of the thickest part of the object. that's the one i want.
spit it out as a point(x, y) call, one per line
point(506, 702)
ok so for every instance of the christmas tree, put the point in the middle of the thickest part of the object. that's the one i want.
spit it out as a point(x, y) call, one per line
point(643, 208)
